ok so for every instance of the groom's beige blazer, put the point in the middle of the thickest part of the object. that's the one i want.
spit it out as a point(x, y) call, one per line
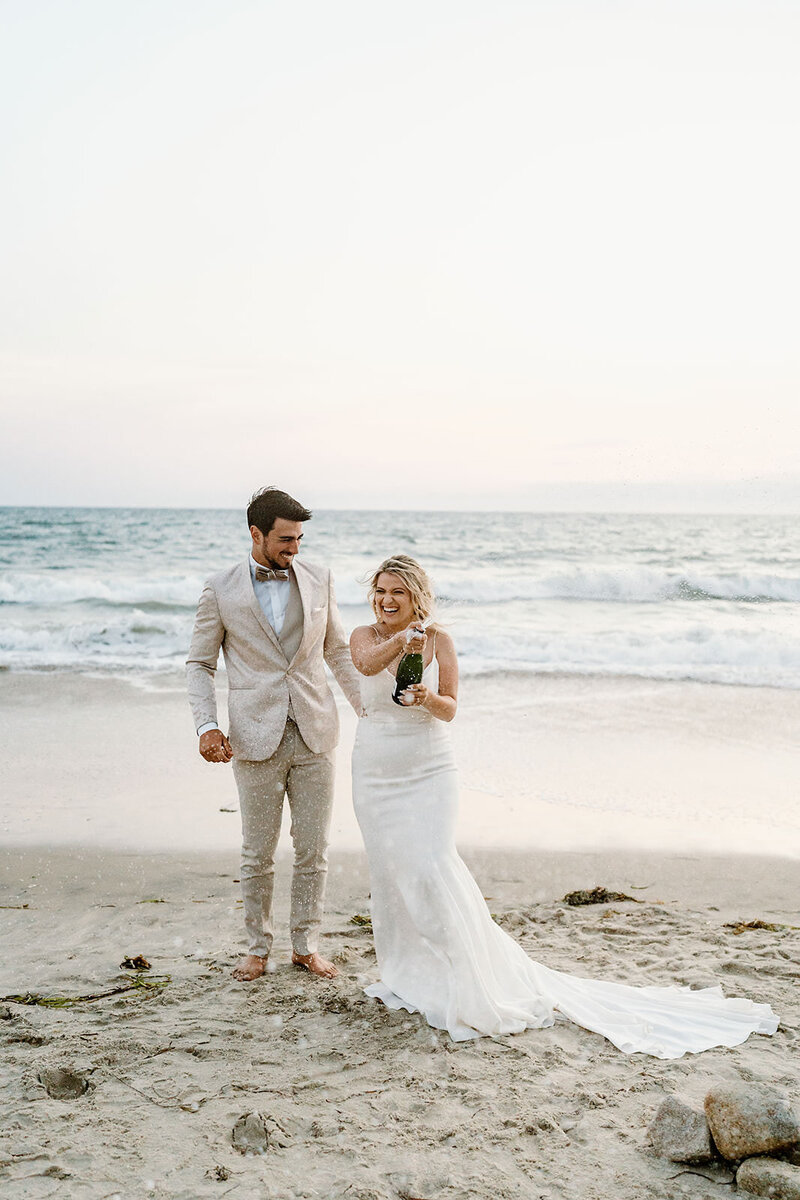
point(265, 672)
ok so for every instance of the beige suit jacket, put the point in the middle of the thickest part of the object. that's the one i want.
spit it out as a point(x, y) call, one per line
point(261, 679)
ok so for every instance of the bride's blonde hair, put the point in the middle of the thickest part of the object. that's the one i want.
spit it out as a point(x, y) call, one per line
point(414, 578)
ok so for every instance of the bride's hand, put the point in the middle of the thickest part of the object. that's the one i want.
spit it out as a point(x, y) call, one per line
point(415, 695)
point(415, 644)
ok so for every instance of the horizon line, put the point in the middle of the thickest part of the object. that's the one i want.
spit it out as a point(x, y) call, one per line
point(561, 512)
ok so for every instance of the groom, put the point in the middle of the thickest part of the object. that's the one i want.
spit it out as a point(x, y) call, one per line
point(276, 621)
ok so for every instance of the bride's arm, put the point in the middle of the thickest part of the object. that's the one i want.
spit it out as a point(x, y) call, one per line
point(370, 654)
point(443, 704)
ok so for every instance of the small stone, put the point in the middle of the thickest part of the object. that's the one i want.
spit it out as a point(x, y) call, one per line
point(61, 1083)
point(680, 1133)
point(769, 1177)
point(750, 1118)
point(254, 1133)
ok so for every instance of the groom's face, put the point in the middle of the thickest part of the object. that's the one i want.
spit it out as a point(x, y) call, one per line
point(277, 548)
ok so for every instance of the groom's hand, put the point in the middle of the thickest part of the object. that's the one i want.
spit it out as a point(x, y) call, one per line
point(215, 747)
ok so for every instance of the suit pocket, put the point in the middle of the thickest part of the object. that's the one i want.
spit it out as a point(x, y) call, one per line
point(241, 687)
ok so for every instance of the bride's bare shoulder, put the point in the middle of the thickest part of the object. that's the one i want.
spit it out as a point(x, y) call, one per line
point(445, 646)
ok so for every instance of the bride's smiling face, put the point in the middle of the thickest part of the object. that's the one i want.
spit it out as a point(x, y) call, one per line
point(393, 601)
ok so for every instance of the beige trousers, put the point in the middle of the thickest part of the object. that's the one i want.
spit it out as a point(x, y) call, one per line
point(307, 780)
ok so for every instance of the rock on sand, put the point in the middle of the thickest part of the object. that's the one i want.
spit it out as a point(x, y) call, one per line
point(750, 1118)
point(680, 1133)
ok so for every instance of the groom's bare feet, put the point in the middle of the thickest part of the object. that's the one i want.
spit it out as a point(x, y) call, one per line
point(250, 968)
point(316, 964)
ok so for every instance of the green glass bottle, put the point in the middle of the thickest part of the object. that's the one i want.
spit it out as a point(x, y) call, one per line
point(409, 670)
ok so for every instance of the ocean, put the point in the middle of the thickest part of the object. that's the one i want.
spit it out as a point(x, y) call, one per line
point(713, 599)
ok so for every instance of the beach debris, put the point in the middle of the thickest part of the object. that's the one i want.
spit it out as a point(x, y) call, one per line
point(597, 895)
point(62, 1083)
point(229, 810)
point(680, 1133)
point(193, 1101)
point(220, 1174)
point(15, 906)
point(255, 1133)
point(362, 921)
point(743, 926)
point(5, 1013)
point(34, 998)
point(712, 1173)
point(769, 1177)
point(750, 1118)
point(136, 963)
point(152, 900)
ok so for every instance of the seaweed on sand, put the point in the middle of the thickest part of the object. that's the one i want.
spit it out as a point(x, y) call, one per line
point(137, 982)
point(597, 895)
point(743, 926)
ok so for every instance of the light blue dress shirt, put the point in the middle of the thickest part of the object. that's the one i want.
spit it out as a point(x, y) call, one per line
point(273, 597)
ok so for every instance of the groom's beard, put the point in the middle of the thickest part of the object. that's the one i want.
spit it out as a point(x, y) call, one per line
point(278, 566)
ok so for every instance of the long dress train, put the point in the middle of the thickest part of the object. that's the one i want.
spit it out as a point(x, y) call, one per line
point(439, 951)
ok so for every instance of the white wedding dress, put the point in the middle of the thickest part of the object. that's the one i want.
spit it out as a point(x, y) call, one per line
point(439, 951)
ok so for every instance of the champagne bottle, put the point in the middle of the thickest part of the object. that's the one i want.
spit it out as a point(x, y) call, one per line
point(409, 670)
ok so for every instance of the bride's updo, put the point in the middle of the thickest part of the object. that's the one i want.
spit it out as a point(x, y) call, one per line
point(414, 578)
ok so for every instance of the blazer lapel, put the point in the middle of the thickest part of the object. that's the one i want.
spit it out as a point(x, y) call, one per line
point(252, 602)
point(304, 585)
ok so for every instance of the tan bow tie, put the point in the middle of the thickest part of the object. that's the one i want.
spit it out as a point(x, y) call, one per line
point(264, 573)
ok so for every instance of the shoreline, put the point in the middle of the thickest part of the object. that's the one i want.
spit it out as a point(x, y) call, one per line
point(174, 679)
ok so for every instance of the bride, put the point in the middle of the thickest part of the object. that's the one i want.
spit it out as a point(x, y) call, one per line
point(439, 951)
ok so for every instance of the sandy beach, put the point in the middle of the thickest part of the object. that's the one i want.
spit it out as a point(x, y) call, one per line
point(118, 841)
point(366, 1103)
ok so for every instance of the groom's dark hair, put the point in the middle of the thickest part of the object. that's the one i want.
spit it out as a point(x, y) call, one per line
point(268, 503)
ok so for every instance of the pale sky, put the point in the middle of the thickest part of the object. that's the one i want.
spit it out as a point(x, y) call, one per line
point(451, 253)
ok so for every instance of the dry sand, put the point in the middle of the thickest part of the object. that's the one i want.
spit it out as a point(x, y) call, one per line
point(369, 1104)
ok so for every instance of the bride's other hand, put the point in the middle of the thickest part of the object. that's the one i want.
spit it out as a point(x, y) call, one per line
point(416, 694)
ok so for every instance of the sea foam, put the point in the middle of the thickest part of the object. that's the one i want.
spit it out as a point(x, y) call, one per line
point(706, 598)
